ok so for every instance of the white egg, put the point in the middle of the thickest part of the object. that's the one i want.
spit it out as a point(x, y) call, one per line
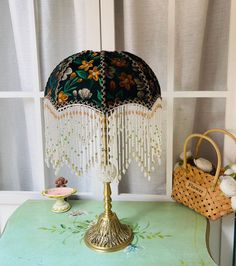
point(233, 167)
point(203, 164)
point(228, 186)
point(176, 165)
point(188, 155)
point(233, 203)
point(228, 172)
point(221, 177)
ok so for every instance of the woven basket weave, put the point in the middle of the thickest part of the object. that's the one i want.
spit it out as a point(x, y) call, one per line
point(199, 190)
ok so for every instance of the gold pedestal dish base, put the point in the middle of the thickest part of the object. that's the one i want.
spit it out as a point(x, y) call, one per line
point(108, 234)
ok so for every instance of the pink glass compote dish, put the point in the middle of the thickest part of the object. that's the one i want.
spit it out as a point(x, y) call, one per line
point(59, 193)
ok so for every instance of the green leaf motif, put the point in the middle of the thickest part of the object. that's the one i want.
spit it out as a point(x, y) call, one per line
point(145, 234)
point(96, 58)
point(99, 95)
point(96, 102)
point(71, 89)
point(80, 227)
point(100, 82)
point(69, 84)
point(90, 83)
point(77, 227)
point(183, 262)
point(81, 73)
point(78, 61)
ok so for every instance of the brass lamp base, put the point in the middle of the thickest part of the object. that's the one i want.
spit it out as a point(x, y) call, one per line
point(108, 234)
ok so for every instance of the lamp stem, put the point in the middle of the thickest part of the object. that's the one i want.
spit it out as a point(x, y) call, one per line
point(108, 234)
point(107, 199)
point(107, 186)
point(105, 140)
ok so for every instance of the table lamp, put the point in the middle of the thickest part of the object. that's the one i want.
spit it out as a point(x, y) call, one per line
point(103, 109)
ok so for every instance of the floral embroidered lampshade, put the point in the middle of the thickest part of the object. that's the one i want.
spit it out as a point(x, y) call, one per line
point(85, 90)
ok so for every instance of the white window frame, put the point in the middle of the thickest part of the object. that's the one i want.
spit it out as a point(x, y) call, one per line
point(104, 11)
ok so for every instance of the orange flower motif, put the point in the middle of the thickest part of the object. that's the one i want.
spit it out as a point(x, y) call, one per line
point(86, 65)
point(126, 81)
point(73, 75)
point(62, 97)
point(94, 74)
point(119, 62)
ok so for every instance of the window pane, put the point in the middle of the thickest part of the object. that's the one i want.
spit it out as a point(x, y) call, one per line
point(134, 181)
point(64, 29)
point(18, 46)
point(141, 28)
point(9, 80)
point(197, 116)
point(18, 153)
point(201, 44)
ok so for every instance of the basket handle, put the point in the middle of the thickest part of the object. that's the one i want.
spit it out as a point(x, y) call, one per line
point(217, 153)
point(219, 130)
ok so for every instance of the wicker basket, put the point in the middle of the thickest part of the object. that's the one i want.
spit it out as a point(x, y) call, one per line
point(199, 190)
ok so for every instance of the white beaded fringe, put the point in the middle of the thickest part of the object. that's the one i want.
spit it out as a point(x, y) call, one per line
point(73, 136)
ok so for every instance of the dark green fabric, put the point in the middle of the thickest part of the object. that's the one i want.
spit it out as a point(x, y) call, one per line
point(102, 80)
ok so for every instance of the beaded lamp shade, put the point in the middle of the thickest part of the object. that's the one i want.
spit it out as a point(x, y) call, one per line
point(85, 90)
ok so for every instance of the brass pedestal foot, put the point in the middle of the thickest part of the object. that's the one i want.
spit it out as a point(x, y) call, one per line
point(108, 234)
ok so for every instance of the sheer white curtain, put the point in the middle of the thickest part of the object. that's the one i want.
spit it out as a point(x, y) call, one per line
point(61, 31)
point(201, 48)
point(16, 115)
point(201, 55)
point(141, 27)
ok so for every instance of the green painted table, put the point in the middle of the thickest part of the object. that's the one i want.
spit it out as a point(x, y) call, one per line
point(165, 234)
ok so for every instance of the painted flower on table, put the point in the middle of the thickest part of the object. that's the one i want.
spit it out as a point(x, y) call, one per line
point(126, 81)
point(119, 62)
point(62, 97)
point(94, 73)
point(132, 248)
point(66, 73)
point(85, 94)
point(110, 73)
point(86, 65)
point(77, 213)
